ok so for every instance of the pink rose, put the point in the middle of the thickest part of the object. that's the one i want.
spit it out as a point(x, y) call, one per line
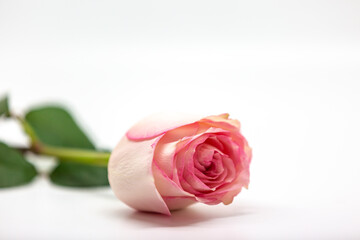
point(169, 162)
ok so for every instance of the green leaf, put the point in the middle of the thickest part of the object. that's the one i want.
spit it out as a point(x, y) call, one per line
point(14, 169)
point(79, 175)
point(4, 107)
point(55, 127)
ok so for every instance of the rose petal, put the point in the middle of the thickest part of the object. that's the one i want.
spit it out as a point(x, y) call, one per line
point(213, 141)
point(157, 124)
point(185, 166)
point(195, 183)
point(166, 186)
point(229, 165)
point(131, 178)
point(168, 145)
point(227, 192)
point(222, 121)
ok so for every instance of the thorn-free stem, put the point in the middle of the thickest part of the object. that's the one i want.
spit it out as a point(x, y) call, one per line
point(85, 156)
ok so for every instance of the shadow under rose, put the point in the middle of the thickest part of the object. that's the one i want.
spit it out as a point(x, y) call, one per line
point(184, 217)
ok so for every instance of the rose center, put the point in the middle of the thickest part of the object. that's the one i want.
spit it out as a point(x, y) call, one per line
point(208, 160)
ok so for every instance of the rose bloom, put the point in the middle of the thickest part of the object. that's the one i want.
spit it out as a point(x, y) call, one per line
point(167, 162)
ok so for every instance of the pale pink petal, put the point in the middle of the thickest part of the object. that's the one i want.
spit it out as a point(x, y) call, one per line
point(157, 124)
point(130, 176)
point(164, 156)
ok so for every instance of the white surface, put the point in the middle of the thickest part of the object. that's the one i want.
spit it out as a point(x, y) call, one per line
point(289, 71)
point(43, 211)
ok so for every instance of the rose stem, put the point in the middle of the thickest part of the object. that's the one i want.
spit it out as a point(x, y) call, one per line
point(85, 156)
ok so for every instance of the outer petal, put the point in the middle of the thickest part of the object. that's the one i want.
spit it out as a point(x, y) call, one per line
point(157, 124)
point(131, 178)
point(222, 121)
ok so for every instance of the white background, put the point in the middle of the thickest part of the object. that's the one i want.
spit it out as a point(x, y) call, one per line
point(288, 70)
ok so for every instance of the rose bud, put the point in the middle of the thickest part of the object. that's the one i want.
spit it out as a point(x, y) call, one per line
point(166, 162)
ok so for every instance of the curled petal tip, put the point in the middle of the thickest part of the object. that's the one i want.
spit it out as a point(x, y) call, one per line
point(224, 115)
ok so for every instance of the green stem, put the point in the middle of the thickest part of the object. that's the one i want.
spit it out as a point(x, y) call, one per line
point(75, 155)
point(85, 156)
